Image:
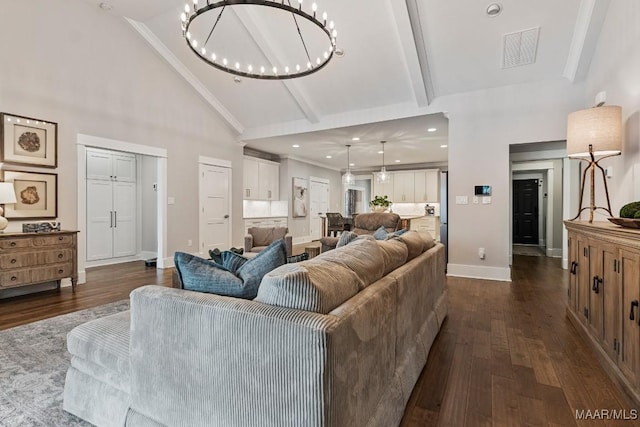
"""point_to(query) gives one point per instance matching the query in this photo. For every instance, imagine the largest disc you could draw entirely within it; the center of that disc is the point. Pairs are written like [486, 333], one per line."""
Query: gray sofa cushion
[415, 243]
[394, 253]
[104, 342]
[264, 236]
[346, 238]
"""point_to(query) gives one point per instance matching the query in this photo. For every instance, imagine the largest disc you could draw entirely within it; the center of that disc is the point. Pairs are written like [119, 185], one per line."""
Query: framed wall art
[299, 197]
[36, 195]
[28, 141]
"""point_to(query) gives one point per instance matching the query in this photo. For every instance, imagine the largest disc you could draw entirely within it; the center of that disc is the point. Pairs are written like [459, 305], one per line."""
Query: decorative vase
[378, 208]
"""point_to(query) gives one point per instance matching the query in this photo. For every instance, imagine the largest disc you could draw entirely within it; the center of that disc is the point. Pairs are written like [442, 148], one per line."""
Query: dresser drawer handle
[13, 261]
[13, 243]
[60, 271]
[14, 278]
[60, 255]
[60, 238]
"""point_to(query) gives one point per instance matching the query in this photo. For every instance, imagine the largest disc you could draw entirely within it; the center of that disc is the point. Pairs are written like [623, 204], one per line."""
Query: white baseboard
[479, 272]
[554, 252]
[565, 263]
[165, 262]
[147, 255]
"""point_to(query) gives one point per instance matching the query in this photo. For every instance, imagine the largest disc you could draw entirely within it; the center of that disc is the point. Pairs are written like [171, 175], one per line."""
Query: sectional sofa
[338, 340]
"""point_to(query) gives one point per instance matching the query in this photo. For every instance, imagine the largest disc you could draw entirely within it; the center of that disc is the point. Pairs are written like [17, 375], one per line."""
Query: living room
[100, 77]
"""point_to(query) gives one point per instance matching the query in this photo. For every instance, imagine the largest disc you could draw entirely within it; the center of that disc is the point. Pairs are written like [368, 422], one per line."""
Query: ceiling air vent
[520, 48]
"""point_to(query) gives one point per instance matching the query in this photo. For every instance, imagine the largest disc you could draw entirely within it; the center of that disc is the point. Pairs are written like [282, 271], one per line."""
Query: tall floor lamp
[592, 135]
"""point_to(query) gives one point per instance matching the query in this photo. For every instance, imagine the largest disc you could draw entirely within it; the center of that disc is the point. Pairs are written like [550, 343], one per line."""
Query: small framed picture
[36, 195]
[28, 141]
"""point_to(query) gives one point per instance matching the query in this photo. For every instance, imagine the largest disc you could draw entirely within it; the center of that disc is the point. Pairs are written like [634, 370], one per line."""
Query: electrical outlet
[481, 253]
[189, 242]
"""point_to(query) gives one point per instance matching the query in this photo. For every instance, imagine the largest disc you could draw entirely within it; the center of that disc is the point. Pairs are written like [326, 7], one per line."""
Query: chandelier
[348, 178]
[198, 33]
[382, 177]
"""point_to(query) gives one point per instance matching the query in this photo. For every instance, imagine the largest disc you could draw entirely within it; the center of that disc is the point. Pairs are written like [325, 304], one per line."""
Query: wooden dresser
[604, 296]
[30, 258]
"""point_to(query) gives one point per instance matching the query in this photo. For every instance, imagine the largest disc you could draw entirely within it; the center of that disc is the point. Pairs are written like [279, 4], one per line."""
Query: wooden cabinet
[261, 179]
[30, 258]
[430, 224]
[604, 294]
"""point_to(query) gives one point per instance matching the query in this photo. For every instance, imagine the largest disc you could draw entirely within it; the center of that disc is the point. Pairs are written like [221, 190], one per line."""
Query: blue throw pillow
[202, 275]
[380, 233]
[396, 233]
[346, 238]
[268, 259]
[232, 261]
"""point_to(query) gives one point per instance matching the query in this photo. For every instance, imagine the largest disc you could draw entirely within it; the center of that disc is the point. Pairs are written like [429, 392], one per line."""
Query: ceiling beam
[591, 15]
[182, 69]
[248, 18]
[407, 19]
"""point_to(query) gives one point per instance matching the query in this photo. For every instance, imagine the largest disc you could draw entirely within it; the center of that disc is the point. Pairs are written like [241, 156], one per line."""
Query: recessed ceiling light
[432, 130]
[329, 157]
[352, 164]
[296, 146]
[237, 79]
[444, 146]
[355, 138]
[494, 9]
[105, 6]
[380, 152]
[397, 161]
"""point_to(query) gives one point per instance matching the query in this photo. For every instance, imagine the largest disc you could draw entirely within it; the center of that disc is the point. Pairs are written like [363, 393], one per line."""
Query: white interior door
[215, 224]
[124, 219]
[99, 220]
[319, 205]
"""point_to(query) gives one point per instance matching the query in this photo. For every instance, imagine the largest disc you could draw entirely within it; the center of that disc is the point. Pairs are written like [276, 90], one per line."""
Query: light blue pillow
[201, 275]
[396, 233]
[380, 233]
[232, 261]
[346, 238]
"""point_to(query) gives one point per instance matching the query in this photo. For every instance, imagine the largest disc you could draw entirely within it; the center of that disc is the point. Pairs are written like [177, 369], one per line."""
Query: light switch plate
[171, 200]
[486, 200]
[462, 200]
[476, 200]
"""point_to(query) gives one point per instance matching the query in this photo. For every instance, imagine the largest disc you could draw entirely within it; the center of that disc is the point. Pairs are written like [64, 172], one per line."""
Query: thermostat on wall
[482, 190]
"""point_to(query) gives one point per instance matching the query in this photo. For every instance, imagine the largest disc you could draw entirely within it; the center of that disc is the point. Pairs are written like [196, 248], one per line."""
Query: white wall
[482, 125]
[289, 168]
[93, 74]
[615, 68]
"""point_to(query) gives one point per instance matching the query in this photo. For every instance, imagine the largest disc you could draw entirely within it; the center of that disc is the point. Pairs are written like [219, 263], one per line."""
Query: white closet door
[124, 167]
[214, 208]
[99, 165]
[124, 230]
[99, 220]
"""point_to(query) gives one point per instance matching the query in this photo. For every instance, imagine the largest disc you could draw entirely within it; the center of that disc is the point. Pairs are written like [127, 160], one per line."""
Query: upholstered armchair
[259, 238]
[366, 223]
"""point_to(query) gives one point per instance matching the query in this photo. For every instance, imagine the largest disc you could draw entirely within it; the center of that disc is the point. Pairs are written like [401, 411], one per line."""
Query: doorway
[319, 205]
[525, 211]
[215, 206]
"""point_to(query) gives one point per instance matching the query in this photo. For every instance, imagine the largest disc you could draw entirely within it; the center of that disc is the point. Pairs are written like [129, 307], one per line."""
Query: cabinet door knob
[14, 278]
[60, 255]
[597, 281]
[59, 237]
[634, 303]
[13, 261]
[60, 271]
[13, 243]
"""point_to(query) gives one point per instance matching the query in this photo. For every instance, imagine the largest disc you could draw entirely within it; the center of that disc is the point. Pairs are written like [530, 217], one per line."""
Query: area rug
[528, 250]
[33, 365]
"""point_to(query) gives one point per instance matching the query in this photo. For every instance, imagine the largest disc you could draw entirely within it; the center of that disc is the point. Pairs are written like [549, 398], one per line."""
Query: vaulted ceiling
[399, 57]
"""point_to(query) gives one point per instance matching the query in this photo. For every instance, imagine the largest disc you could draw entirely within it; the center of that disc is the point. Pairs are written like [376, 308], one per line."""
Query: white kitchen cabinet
[383, 189]
[427, 223]
[403, 187]
[427, 186]
[110, 165]
[261, 179]
[265, 222]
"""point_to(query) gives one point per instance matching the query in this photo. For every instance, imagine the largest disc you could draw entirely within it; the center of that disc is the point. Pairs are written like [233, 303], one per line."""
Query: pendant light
[382, 177]
[348, 178]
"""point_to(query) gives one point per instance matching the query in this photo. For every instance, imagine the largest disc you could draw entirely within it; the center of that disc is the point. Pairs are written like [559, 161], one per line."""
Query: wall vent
[520, 48]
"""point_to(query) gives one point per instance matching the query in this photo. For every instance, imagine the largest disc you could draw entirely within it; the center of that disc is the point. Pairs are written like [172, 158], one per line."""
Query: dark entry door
[525, 211]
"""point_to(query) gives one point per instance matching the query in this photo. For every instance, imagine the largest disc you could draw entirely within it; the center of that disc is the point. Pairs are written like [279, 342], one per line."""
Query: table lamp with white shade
[592, 135]
[7, 195]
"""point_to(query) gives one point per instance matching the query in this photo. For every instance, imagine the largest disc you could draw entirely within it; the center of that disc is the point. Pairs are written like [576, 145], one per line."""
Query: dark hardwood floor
[506, 355]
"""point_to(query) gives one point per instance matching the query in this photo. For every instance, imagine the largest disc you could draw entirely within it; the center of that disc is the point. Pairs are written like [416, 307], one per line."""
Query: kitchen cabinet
[385, 189]
[604, 294]
[403, 187]
[261, 179]
[430, 224]
[427, 186]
